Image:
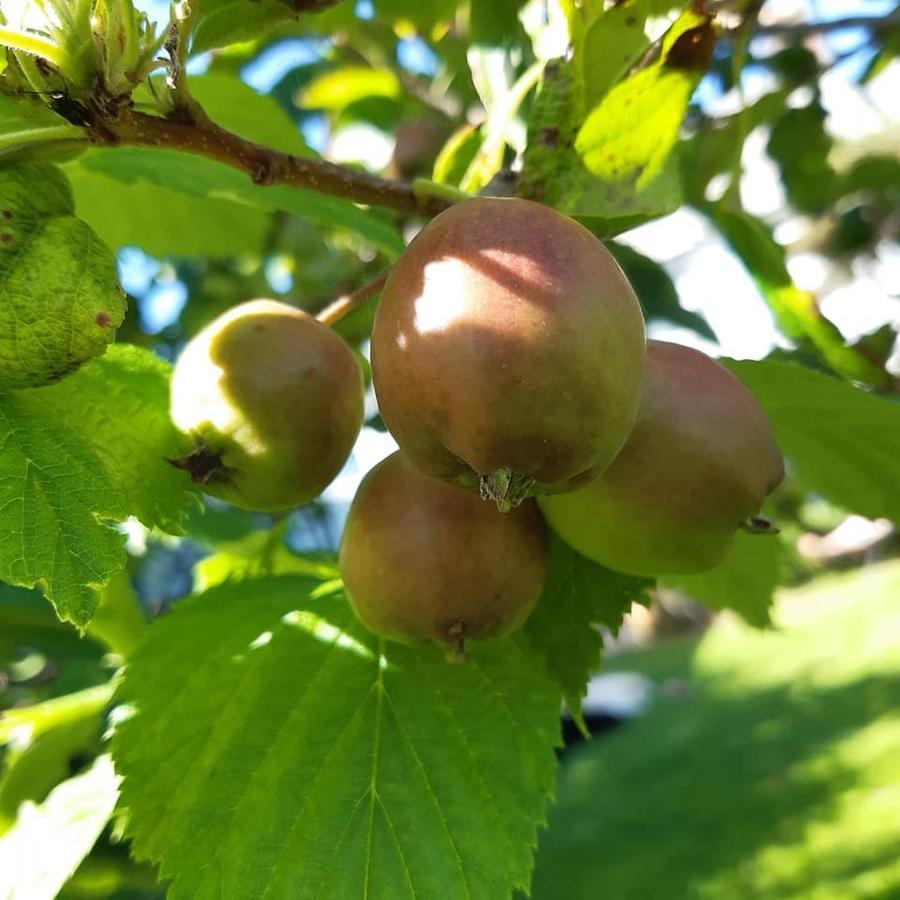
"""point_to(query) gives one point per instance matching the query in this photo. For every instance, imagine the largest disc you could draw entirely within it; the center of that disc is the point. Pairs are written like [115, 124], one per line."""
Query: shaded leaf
[800, 145]
[30, 132]
[744, 581]
[580, 595]
[795, 310]
[202, 178]
[656, 290]
[42, 742]
[840, 441]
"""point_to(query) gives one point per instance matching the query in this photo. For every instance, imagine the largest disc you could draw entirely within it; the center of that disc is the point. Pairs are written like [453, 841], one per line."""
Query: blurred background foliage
[754, 763]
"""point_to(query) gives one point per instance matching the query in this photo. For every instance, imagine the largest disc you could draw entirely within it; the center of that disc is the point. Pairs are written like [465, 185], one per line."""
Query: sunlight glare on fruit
[443, 296]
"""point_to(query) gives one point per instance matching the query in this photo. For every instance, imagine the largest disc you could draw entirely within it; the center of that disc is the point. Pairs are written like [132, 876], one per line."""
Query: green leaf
[27, 620]
[764, 768]
[656, 291]
[89, 450]
[43, 740]
[580, 596]
[164, 222]
[796, 311]
[337, 89]
[495, 23]
[609, 40]
[224, 22]
[615, 162]
[30, 132]
[713, 149]
[277, 748]
[801, 146]
[840, 441]
[456, 156]
[60, 300]
[48, 842]
[257, 117]
[424, 16]
[744, 581]
[256, 555]
[143, 212]
[202, 178]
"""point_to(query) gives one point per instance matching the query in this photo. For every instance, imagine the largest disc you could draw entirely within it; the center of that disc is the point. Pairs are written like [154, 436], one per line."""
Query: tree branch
[337, 309]
[263, 165]
[802, 29]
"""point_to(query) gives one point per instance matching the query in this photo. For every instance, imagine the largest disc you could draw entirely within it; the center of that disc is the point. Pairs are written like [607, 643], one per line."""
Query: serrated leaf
[796, 311]
[580, 595]
[744, 581]
[60, 300]
[278, 749]
[75, 455]
[202, 178]
[49, 841]
[840, 441]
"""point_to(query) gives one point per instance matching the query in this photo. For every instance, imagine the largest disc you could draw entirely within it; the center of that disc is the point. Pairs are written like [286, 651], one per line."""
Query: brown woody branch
[265, 166]
[802, 29]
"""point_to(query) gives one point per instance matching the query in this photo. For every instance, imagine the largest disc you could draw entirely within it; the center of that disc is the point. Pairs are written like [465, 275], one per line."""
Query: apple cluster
[511, 365]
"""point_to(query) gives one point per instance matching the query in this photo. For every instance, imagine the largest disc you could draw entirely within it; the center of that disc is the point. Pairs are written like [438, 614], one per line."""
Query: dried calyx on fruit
[272, 401]
[698, 465]
[508, 350]
[422, 558]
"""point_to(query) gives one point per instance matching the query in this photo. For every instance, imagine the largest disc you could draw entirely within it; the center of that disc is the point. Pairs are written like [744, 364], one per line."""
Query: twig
[264, 166]
[801, 29]
[337, 309]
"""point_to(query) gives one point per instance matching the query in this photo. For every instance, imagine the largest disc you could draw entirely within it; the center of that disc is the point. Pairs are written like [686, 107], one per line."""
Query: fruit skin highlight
[273, 401]
[508, 347]
[422, 558]
[700, 461]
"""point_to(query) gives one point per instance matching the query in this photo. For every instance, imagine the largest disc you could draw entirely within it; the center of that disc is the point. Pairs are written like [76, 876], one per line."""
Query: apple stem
[342, 306]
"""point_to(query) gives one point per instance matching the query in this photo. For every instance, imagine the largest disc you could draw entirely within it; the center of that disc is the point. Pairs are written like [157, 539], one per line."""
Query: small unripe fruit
[508, 348]
[699, 463]
[273, 400]
[422, 558]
